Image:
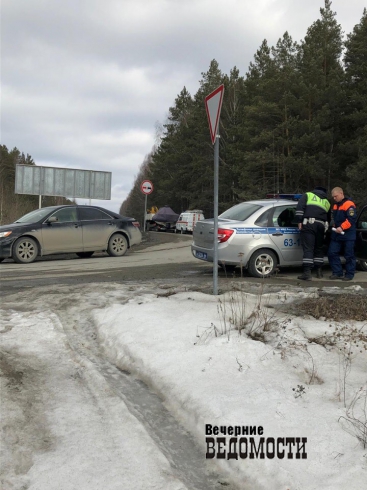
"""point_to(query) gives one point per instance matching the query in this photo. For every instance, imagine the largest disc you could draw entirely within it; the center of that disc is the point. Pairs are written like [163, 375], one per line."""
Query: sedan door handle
[277, 234]
[76, 225]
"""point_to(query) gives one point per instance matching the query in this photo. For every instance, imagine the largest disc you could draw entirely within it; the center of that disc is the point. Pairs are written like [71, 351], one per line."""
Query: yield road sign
[213, 105]
[146, 187]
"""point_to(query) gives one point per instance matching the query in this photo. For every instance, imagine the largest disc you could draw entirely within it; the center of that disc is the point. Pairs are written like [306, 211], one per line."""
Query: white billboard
[66, 182]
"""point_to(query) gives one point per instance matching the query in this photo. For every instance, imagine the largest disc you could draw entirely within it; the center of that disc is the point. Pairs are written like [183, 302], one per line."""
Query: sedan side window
[263, 220]
[362, 221]
[285, 216]
[90, 214]
[65, 215]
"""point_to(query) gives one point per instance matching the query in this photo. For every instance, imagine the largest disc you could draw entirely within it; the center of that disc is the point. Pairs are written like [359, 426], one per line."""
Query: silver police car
[259, 235]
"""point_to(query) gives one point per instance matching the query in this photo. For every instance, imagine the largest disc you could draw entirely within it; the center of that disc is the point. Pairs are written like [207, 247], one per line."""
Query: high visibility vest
[314, 200]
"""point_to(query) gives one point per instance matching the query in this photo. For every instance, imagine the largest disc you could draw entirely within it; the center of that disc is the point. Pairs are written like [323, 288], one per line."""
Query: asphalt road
[161, 256]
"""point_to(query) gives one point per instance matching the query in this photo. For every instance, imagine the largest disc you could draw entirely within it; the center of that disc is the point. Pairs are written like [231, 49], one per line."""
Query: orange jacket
[344, 214]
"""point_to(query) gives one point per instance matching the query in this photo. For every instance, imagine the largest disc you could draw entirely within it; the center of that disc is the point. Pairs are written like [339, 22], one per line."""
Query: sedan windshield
[34, 216]
[240, 212]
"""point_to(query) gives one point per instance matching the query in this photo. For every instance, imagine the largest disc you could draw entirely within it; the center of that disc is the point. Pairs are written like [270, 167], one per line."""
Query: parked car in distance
[68, 229]
[163, 220]
[187, 221]
[260, 236]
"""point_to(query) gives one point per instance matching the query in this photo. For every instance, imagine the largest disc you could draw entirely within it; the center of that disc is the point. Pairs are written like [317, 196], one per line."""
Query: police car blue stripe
[266, 231]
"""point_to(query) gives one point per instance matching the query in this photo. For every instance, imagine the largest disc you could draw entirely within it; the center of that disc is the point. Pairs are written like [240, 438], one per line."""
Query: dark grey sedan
[68, 229]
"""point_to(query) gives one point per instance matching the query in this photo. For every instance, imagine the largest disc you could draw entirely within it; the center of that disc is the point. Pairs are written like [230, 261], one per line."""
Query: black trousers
[312, 240]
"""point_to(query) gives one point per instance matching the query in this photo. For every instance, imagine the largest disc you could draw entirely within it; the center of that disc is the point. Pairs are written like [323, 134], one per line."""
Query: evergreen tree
[272, 88]
[353, 149]
[171, 160]
[357, 173]
[233, 143]
[321, 96]
[258, 125]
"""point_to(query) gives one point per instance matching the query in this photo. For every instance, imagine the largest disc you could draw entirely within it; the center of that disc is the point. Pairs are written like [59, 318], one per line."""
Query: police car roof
[264, 202]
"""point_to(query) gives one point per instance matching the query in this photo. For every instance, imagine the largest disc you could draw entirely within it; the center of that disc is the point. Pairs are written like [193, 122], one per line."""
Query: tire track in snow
[178, 446]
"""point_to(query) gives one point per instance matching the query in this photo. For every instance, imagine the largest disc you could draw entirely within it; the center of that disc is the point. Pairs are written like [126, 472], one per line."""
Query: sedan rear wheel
[25, 250]
[262, 263]
[117, 245]
[85, 255]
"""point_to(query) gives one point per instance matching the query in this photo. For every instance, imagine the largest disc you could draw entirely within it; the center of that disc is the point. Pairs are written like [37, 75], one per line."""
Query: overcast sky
[85, 83]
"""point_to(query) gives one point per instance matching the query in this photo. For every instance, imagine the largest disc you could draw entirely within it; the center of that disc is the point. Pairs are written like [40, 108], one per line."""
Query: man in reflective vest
[343, 235]
[313, 214]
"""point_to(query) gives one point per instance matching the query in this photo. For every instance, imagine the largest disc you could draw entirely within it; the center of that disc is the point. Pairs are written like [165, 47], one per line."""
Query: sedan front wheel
[117, 246]
[25, 250]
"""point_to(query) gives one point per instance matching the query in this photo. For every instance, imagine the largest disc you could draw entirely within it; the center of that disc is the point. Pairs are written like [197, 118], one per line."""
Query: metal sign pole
[146, 188]
[213, 105]
[216, 175]
[145, 211]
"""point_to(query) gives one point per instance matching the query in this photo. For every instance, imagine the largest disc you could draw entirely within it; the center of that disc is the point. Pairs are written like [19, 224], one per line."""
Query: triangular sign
[213, 105]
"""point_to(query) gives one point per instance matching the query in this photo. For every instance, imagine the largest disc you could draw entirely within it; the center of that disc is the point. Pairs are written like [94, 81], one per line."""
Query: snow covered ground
[227, 361]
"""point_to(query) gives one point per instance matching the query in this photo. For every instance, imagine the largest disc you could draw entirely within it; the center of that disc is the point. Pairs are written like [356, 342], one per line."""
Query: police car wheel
[262, 263]
[362, 265]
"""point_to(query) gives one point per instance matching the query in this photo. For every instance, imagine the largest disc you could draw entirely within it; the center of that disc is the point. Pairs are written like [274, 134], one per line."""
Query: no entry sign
[146, 187]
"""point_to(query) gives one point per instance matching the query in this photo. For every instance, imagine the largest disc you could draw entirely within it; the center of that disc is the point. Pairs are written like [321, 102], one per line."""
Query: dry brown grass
[337, 307]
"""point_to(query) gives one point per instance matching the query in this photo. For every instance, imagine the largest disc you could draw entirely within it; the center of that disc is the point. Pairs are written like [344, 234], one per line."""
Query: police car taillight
[136, 224]
[224, 235]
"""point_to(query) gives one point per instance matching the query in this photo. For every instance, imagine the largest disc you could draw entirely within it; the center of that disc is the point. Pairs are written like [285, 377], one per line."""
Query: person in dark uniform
[343, 236]
[313, 214]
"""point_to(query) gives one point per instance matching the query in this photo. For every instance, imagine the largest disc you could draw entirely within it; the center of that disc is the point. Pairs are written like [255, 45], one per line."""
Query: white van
[187, 220]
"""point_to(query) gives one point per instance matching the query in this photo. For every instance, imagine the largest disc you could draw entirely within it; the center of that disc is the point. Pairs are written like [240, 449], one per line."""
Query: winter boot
[319, 273]
[306, 276]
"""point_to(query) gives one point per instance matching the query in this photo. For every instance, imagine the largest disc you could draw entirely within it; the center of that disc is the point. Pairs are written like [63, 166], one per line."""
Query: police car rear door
[284, 233]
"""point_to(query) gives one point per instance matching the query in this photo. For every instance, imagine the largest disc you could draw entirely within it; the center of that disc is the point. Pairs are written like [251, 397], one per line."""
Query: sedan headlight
[3, 234]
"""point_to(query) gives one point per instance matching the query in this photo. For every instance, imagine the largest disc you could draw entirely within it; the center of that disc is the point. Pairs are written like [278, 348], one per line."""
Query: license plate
[201, 255]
